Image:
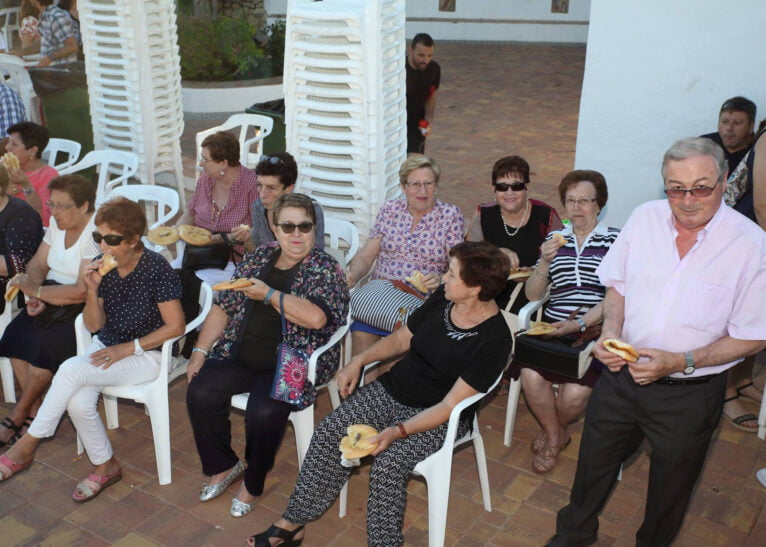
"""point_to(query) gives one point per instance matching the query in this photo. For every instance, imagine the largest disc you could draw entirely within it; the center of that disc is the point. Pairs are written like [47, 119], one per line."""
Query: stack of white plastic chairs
[134, 82]
[345, 98]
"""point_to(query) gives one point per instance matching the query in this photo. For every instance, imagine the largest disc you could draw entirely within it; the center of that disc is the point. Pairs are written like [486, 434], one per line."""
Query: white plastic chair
[436, 469]
[61, 146]
[514, 390]
[109, 162]
[17, 78]
[261, 125]
[168, 204]
[153, 394]
[6, 370]
[303, 420]
[344, 238]
[9, 24]
[761, 419]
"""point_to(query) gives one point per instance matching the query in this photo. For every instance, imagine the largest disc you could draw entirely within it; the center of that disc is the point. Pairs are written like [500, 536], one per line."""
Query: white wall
[488, 20]
[656, 71]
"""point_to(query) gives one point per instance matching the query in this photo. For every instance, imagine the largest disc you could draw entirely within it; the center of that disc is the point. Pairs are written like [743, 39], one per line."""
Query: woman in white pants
[134, 308]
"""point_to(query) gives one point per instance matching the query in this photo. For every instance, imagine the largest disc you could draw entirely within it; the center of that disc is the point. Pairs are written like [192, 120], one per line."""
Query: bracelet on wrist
[402, 431]
[204, 352]
[38, 291]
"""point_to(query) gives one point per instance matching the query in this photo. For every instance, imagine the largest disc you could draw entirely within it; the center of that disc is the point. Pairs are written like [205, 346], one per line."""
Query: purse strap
[282, 312]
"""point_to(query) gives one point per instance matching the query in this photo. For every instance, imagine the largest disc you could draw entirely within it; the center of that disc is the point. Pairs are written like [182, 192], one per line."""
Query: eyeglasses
[516, 186]
[289, 227]
[111, 239]
[428, 184]
[571, 202]
[205, 161]
[58, 206]
[698, 192]
[273, 160]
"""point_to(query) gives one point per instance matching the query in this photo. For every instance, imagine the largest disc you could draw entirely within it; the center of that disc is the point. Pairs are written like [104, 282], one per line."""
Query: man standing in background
[423, 77]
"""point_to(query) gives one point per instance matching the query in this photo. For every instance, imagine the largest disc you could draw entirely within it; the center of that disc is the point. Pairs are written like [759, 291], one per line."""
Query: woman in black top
[455, 345]
[513, 222]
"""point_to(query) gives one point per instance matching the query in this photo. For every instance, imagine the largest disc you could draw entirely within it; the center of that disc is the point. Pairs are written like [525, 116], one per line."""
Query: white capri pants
[76, 387]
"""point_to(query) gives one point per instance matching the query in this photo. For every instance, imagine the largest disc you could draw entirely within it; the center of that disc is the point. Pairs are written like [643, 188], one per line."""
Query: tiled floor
[495, 100]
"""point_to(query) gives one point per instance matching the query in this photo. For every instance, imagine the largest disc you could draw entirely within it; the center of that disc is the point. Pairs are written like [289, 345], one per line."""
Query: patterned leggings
[322, 476]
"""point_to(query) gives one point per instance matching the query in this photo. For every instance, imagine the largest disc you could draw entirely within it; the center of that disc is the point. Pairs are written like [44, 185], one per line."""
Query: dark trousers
[677, 420]
[208, 401]
[416, 142]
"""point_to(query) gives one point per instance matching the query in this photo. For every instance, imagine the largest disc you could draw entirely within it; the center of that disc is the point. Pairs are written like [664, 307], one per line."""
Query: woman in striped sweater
[570, 270]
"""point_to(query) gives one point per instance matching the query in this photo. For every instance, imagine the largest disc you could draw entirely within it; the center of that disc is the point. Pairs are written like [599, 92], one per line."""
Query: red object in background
[423, 125]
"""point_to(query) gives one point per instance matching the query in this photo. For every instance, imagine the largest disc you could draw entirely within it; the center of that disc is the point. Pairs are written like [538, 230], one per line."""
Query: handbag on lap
[292, 368]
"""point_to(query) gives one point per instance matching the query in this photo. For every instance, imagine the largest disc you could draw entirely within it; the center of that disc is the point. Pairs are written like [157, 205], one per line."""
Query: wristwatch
[139, 350]
[690, 368]
[27, 191]
[267, 298]
[582, 324]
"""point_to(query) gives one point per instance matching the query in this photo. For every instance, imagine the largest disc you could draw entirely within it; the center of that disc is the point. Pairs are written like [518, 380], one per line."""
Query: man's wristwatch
[139, 351]
[27, 191]
[582, 324]
[690, 367]
[267, 298]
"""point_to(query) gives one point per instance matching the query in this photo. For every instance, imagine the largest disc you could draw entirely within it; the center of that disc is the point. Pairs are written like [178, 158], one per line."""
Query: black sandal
[262, 539]
[7, 423]
[747, 385]
[23, 428]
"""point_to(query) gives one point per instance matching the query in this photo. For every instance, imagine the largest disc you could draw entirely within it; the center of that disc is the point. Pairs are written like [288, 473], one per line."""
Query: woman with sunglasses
[134, 309]
[514, 222]
[575, 304]
[277, 175]
[237, 347]
[41, 336]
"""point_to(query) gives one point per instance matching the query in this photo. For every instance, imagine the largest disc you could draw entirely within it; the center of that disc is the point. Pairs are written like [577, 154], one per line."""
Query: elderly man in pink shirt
[686, 282]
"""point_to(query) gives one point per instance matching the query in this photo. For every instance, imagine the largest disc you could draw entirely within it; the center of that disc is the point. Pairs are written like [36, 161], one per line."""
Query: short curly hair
[281, 165]
[483, 265]
[124, 216]
[223, 146]
[582, 175]
[80, 189]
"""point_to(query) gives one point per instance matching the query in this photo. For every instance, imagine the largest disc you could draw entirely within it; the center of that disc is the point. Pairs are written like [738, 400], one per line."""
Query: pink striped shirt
[237, 209]
[681, 304]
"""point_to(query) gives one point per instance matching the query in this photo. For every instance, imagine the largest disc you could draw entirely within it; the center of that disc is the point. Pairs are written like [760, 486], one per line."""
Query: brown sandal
[546, 460]
[540, 442]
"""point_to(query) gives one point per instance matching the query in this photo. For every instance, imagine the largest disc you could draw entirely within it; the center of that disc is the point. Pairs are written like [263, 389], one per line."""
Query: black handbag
[55, 313]
[199, 257]
[569, 357]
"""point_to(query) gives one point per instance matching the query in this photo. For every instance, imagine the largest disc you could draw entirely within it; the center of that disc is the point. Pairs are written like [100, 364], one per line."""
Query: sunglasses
[273, 160]
[289, 227]
[517, 186]
[111, 239]
[698, 192]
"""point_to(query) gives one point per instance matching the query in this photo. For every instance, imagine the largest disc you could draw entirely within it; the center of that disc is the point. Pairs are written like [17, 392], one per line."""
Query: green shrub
[217, 48]
[276, 46]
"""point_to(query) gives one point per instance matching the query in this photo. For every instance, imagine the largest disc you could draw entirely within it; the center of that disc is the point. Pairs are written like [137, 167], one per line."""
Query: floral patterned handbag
[292, 368]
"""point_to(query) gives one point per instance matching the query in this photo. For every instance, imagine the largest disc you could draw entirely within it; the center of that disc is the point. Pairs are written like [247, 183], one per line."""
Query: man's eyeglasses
[698, 192]
[571, 202]
[516, 186]
[111, 239]
[273, 160]
[428, 184]
[289, 227]
[58, 206]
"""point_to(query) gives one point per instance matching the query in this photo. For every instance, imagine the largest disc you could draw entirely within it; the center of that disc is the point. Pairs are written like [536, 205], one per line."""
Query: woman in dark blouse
[514, 222]
[134, 308]
[21, 231]
[455, 345]
[236, 349]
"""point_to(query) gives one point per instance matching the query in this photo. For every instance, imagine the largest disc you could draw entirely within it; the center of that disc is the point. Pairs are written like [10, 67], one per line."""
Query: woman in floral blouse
[236, 349]
[412, 232]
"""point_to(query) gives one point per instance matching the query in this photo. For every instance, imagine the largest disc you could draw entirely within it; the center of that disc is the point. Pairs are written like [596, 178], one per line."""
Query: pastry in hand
[11, 290]
[520, 274]
[163, 235]
[108, 263]
[194, 235]
[539, 328]
[623, 349]
[10, 161]
[232, 284]
[416, 280]
[357, 443]
[559, 239]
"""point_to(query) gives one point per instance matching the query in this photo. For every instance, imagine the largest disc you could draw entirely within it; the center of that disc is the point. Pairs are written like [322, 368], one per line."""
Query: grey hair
[696, 146]
[418, 161]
